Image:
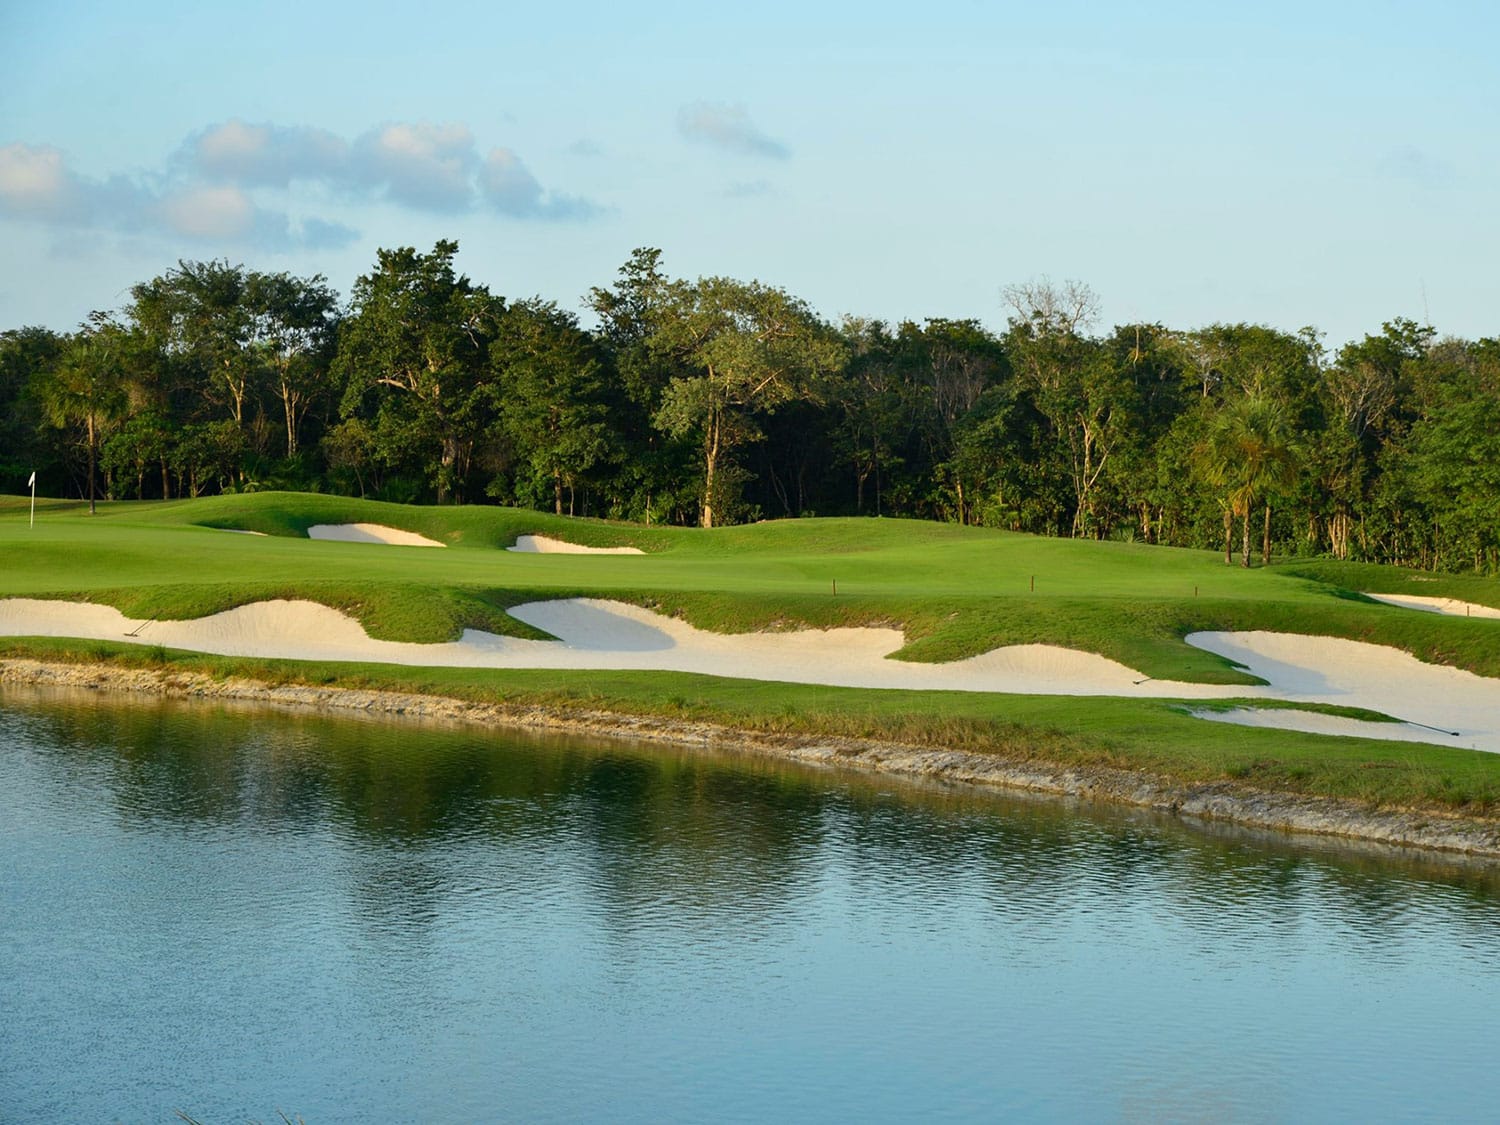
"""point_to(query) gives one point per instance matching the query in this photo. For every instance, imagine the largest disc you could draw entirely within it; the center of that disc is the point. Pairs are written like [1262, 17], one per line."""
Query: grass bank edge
[1153, 737]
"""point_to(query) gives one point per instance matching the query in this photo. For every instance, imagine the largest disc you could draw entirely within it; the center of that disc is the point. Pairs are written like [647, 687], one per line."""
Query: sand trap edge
[546, 545]
[370, 533]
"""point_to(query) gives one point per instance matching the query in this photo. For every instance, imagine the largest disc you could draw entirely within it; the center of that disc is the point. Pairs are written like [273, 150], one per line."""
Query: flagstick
[33, 499]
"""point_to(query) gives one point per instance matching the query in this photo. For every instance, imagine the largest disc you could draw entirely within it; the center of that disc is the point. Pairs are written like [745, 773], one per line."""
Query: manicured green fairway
[956, 591]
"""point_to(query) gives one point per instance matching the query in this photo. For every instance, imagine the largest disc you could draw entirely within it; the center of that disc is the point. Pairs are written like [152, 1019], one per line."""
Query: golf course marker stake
[1440, 730]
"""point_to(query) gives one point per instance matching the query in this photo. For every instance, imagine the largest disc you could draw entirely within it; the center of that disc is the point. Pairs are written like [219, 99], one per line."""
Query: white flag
[32, 482]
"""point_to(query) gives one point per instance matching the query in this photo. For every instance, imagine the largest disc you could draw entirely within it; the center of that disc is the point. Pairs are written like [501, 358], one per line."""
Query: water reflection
[635, 933]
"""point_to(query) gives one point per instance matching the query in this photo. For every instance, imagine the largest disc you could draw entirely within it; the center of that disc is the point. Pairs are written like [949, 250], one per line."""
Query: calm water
[235, 912]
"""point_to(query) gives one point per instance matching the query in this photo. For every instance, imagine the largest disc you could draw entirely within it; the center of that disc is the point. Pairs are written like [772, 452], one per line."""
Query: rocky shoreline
[1219, 801]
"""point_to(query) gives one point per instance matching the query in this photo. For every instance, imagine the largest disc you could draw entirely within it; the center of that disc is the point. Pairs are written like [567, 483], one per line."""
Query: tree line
[716, 401]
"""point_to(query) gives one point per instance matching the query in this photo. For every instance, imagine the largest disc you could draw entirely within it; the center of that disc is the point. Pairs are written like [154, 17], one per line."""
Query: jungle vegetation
[717, 401]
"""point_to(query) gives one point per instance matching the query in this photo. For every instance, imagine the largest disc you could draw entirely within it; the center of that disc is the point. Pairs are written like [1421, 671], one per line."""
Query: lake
[235, 911]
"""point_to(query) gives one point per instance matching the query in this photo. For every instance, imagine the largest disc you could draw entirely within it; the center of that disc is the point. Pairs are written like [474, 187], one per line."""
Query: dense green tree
[1147, 366]
[1074, 385]
[1453, 455]
[207, 455]
[717, 400]
[1366, 395]
[294, 323]
[140, 444]
[655, 474]
[869, 408]
[198, 316]
[552, 406]
[86, 390]
[350, 450]
[750, 349]
[27, 357]
[416, 342]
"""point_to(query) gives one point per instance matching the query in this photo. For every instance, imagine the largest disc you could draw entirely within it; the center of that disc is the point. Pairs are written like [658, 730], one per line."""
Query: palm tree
[1249, 452]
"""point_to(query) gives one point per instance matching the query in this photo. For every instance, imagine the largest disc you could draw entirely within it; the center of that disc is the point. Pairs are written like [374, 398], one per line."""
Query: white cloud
[224, 213]
[266, 155]
[421, 165]
[727, 127]
[426, 166]
[208, 190]
[37, 184]
[509, 187]
[35, 181]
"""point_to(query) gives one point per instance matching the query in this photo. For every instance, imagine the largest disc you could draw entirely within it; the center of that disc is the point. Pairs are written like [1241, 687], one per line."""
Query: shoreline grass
[1158, 737]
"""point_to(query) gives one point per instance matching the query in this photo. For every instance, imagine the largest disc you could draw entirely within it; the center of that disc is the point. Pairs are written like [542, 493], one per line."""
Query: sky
[1291, 164]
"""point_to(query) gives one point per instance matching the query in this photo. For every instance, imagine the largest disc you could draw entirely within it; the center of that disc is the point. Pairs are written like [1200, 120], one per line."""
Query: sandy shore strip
[370, 533]
[1448, 607]
[544, 545]
[1451, 707]
[1218, 803]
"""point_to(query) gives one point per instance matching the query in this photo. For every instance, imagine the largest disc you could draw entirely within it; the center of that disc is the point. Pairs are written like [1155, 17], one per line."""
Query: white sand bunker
[370, 533]
[595, 634]
[1448, 607]
[543, 545]
[1450, 706]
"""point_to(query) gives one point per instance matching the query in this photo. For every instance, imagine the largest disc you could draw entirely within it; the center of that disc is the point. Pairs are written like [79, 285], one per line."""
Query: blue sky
[1329, 164]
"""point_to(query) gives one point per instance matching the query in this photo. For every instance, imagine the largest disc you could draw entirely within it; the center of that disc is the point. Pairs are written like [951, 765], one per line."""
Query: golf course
[1075, 654]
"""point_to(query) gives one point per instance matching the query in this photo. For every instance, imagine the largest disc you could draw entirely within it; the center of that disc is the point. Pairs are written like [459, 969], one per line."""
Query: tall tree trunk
[1245, 539]
[710, 466]
[90, 423]
[447, 467]
[557, 492]
[289, 409]
[236, 394]
[1228, 536]
[1265, 542]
